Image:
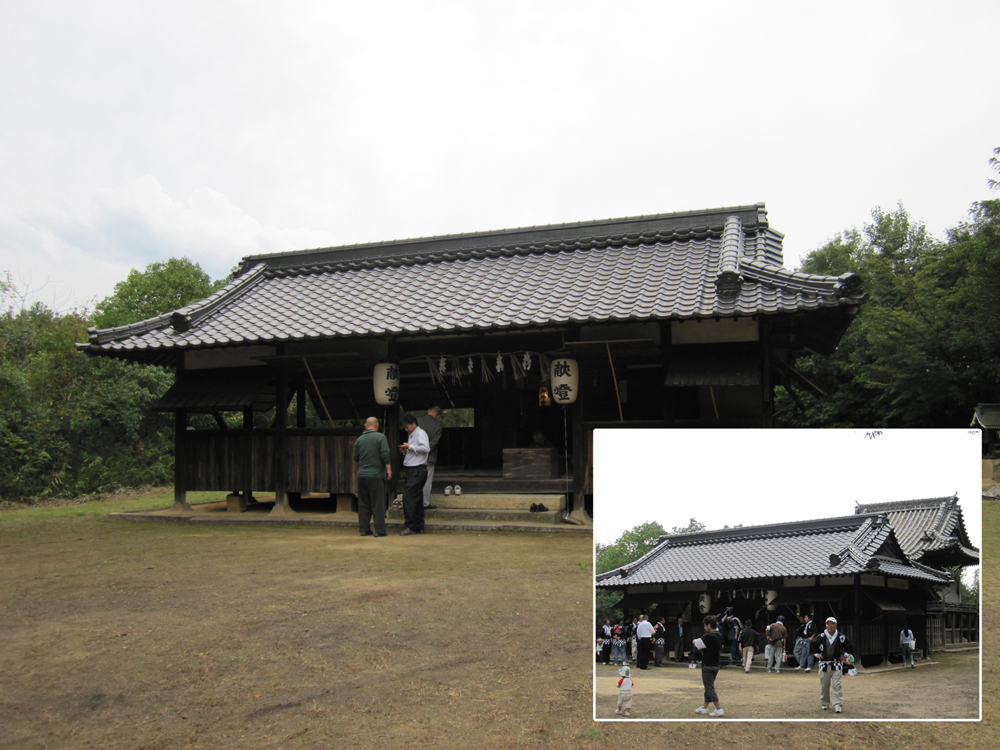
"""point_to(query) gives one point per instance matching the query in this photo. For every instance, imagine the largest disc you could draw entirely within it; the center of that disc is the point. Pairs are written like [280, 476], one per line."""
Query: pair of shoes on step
[456, 490]
[538, 508]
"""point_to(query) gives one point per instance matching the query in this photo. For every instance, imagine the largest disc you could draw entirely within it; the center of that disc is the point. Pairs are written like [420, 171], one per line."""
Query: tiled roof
[928, 527]
[987, 416]
[697, 265]
[825, 547]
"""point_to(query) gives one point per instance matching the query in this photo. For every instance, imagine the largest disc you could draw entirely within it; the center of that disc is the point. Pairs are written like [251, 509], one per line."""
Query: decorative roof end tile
[728, 282]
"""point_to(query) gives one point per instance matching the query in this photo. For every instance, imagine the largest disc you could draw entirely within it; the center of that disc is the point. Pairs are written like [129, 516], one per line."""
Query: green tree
[926, 347]
[693, 524]
[629, 547]
[69, 425]
[161, 288]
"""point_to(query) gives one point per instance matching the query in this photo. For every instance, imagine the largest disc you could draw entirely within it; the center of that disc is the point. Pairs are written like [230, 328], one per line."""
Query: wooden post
[248, 466]
[766, 385]
[580, 457]
[391, 428]
[300, 407]
[180, 462]
[281, 505]
[666, 346]
[857, 612]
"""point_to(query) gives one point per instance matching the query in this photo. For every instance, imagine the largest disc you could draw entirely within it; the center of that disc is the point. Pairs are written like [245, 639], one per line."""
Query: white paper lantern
[564, 374]
[386, 382]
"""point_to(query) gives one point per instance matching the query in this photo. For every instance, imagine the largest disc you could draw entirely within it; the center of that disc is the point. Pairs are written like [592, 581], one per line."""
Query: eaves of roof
[986, 416]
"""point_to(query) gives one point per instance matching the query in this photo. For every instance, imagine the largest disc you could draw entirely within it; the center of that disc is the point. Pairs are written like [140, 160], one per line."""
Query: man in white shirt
[645, 633]
[415, 451]
[431, 424]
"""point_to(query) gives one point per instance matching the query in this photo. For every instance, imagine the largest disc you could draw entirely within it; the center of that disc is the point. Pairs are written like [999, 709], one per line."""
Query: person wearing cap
[431, 424]
[833, 650]
[625, 685]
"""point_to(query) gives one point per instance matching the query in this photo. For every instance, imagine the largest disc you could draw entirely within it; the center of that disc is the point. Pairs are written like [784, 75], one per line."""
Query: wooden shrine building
[867, 570]
[932, 532]
[683, 319]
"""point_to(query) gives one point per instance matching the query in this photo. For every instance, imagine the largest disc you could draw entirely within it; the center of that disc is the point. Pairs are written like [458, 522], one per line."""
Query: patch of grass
[101, 505]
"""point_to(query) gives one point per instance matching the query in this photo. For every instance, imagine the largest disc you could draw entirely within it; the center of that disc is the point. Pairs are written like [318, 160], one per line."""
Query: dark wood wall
[318, 461]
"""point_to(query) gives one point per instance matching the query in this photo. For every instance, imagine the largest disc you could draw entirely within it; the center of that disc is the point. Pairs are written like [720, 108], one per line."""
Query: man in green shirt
[371, 451]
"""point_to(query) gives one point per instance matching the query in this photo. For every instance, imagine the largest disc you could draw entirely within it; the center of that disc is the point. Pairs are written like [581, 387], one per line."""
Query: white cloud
[92, 246]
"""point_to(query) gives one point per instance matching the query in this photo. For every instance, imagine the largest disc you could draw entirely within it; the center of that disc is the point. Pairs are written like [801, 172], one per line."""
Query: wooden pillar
[766, 385]
[300, 407]
[666, 346]
[390, 427]
[857, 610]
[248, 464]
[281, 505]
[580, 455]
[886, 642]
[180, 462]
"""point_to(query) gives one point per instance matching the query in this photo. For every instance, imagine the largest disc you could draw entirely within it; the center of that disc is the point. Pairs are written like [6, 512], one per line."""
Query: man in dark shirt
[678, 637]
[710, 666]
[748, 642]
[371, 451]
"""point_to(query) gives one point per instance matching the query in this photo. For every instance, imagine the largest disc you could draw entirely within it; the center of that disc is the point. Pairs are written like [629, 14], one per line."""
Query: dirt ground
[948, 688]
[166, 635]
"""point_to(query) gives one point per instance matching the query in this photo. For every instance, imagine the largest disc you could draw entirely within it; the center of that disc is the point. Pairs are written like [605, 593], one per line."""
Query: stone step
[485, 514]
[490, 485]
[474, 501]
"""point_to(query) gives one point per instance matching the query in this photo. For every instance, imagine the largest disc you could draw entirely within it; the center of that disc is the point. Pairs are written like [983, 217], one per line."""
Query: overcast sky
[732, 477]
[131, 132]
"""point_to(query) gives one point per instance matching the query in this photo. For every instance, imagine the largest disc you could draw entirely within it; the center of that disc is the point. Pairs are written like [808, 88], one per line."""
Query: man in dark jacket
[677, 636]
[833, 650]
[371, 451]
[748, 642]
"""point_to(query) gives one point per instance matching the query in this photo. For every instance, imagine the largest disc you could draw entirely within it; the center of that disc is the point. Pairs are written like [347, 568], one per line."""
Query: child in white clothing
[625, 691]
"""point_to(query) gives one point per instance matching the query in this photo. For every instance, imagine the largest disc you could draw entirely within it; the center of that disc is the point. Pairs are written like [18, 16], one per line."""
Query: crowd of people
[639, 641]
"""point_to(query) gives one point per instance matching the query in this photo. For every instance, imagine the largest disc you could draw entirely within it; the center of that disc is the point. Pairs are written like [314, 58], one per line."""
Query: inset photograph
[793, 575]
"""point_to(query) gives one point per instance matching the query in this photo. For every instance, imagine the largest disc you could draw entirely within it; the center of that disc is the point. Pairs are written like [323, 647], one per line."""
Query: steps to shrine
[492, 508]
[477, 501]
